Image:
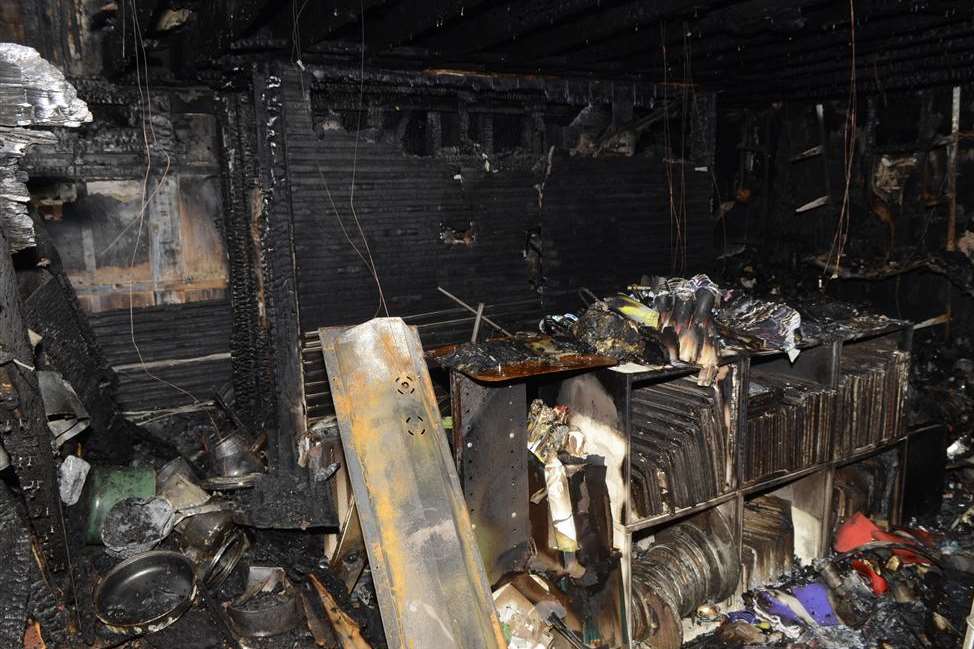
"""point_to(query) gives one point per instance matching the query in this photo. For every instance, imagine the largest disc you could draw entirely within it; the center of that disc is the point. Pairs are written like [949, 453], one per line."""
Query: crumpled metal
[66, 415]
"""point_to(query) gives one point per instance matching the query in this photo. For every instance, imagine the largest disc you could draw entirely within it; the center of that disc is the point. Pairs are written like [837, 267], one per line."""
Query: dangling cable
[358, 128]
[148, 133]
[842, 226]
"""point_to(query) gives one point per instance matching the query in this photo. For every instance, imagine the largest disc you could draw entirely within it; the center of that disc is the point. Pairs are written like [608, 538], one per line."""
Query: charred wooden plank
[15, 552]
[23, 426]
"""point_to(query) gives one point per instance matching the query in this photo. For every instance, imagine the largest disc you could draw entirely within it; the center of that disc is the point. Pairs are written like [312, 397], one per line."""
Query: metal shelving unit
[606, 396]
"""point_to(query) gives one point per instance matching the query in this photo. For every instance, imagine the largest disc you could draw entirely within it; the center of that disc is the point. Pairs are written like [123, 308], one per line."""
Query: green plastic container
[109, 484]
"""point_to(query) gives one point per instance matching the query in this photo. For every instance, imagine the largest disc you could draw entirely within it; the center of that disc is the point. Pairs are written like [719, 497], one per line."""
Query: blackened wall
[492, 207]
[403, 204]
[461, 218]
[606, 222]
[184, 352]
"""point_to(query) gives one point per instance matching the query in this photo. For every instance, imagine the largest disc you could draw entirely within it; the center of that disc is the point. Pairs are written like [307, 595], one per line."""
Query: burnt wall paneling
[187, 345]
[603, 223]
[403, 204]
[606, 222]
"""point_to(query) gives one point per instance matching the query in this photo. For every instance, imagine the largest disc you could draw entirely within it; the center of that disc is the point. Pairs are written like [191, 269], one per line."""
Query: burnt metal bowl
[146, 593]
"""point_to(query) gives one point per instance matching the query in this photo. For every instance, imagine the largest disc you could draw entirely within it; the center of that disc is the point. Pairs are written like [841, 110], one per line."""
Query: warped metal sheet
[428, 573]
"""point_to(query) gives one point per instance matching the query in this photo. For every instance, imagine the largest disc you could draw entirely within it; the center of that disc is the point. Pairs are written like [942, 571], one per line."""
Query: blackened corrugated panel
[606, 222]
[402, 203]
[176, 331]
[140, 391]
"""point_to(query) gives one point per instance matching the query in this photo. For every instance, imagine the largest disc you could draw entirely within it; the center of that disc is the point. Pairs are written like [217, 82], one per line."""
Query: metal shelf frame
[818, 361]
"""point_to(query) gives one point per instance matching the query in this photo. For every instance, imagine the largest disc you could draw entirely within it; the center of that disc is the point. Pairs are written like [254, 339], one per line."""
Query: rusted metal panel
[429, 577]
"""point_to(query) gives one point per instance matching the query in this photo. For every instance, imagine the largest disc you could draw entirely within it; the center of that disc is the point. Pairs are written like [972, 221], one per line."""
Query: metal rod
[473, 310]
[476, 322]
[952, 171]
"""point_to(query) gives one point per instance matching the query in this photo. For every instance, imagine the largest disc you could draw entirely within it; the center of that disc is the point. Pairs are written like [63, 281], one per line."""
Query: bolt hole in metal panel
[429, 576]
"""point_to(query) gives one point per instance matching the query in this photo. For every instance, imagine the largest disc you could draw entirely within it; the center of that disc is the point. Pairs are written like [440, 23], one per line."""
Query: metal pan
[146, 593]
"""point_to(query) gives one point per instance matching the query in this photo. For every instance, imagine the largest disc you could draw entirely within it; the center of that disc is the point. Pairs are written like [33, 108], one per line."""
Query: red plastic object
[859, 530]
[876, 581]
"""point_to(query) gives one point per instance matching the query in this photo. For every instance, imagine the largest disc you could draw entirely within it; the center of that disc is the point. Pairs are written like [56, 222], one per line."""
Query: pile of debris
[166, 549]
[903, 588]
[658, 322]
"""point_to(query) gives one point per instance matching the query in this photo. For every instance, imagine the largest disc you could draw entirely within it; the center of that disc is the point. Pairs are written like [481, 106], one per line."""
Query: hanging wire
[675, 232]
[148, 135]
[837, 248]
[351, 196]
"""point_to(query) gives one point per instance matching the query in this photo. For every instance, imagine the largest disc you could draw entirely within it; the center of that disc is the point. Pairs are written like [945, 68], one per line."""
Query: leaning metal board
[429, 577]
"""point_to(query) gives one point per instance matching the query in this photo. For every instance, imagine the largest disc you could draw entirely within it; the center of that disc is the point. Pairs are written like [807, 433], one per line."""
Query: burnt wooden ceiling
[749, 50]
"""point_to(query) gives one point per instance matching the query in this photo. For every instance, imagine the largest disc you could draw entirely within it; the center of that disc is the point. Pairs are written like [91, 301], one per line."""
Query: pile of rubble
[888, 589]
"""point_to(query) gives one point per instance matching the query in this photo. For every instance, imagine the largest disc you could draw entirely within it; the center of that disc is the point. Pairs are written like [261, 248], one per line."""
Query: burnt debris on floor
[544, 325]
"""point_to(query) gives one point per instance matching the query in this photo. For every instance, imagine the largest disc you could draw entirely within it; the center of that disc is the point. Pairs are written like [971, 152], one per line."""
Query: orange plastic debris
[33, 638]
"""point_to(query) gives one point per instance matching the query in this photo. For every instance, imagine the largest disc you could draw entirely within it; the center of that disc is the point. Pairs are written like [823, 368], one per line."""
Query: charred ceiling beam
[503, 22]
[713, 32]
[883, 78]
[577, 91]
[889, 56]
[314, 22]
[876, 35]
[722, 53]
[406, 20]
[420, 61]
[419, 102]
[600, 26]
[776, 62]
[214, 25]
[715, 47]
